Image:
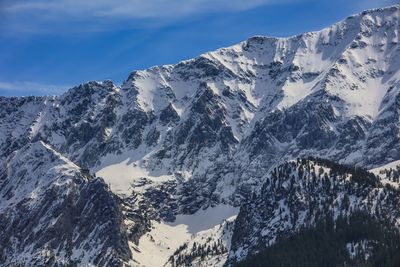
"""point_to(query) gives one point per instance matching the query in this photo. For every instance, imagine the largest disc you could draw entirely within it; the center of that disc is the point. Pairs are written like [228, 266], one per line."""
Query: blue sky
[48, 46]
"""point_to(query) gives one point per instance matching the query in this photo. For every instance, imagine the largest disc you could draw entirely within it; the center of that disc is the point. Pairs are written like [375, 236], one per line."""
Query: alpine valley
[271, 152]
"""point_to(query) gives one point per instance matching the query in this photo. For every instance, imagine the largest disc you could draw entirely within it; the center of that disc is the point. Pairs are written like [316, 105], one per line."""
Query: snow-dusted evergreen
[180, 145]
[299, 194]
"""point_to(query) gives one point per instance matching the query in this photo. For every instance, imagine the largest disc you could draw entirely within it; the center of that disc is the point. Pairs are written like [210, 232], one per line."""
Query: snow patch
[156, 246]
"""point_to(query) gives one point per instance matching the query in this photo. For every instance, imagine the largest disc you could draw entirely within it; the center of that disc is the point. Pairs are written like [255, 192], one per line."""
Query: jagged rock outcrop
[54, 214]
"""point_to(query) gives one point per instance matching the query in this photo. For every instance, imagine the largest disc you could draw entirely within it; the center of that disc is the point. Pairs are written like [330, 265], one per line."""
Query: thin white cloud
[30, 88]
[131, 8]
[46, 16]
[58, 16]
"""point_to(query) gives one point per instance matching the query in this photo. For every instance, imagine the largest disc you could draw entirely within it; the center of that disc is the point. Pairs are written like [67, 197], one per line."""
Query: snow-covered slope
[204, 227]
[176, 139]
[53, 213]
[389, 173]
[207, 248]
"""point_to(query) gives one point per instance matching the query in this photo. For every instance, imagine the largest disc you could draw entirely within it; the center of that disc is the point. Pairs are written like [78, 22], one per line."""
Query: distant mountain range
[252, 155]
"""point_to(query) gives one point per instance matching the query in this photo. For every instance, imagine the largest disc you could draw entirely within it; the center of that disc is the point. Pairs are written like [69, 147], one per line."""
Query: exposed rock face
[51, 214]
[174, 139]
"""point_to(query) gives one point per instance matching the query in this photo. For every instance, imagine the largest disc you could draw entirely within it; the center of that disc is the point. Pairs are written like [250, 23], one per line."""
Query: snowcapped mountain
[180, 148]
